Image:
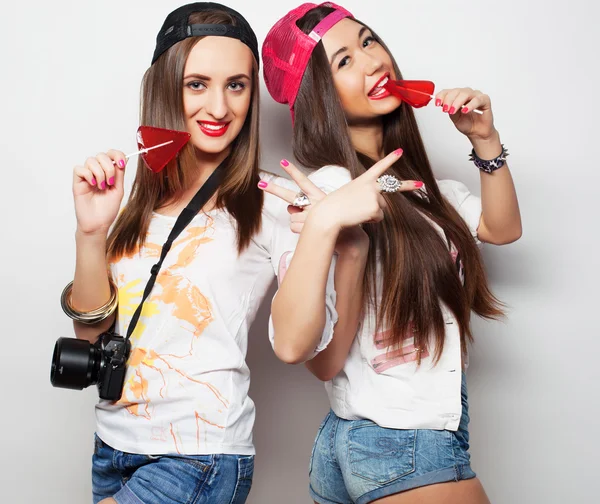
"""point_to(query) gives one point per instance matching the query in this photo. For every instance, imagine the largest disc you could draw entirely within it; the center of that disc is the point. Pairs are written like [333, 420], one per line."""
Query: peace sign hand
[355, 203]
[308, 188]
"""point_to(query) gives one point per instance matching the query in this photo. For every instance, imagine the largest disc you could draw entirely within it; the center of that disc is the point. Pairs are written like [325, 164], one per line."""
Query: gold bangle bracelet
[93, 316]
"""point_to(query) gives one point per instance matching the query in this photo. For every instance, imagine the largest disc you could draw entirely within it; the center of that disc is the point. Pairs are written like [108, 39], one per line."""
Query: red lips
[378, 91]
[213, 129]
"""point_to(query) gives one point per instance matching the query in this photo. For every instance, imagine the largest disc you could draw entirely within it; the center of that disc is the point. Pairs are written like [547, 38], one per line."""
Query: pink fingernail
[94, 181]
[452, 110]
[262, 184]
[465, 110]
[398, 152]
[103, 185]
[418, 184]
[111, 181]
[121, 163]
[285, 162]
[445, 108]
[438, 102]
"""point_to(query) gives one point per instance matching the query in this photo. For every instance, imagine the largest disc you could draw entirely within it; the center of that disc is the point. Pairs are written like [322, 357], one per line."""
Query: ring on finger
[301, 200]
[389, 183]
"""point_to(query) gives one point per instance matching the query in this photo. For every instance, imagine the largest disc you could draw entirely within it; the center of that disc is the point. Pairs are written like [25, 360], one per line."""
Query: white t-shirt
[386, 386]
[186, 387]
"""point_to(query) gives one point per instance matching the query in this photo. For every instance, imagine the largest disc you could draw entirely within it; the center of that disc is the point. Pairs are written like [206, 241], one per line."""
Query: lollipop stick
[143, 151]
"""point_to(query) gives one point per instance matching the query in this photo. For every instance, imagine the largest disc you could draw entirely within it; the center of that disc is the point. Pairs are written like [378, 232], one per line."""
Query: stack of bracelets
[93, 316]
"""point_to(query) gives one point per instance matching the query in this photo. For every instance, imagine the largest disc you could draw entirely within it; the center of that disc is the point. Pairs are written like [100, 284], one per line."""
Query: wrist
[487, 147]
[323, 221]
[99, 236]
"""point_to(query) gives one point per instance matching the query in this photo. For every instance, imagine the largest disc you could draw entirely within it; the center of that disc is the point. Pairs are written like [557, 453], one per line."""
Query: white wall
[70, 75]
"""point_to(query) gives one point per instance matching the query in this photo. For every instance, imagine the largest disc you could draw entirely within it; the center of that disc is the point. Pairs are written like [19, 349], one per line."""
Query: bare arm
[299, 309]
[90, 286]
[349, 275]
[500, 219]
[97, 193]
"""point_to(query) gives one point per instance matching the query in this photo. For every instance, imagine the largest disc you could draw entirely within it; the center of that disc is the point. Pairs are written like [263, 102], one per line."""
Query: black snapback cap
[176, 28]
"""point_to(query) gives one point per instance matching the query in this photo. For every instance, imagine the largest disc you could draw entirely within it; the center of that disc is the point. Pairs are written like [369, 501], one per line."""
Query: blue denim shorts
[357, 461]
[169, 479]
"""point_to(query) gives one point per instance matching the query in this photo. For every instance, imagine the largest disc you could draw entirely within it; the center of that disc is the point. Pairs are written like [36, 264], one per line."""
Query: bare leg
[454, 492]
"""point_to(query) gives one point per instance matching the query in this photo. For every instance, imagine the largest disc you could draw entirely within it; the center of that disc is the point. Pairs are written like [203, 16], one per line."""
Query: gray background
[70, 81]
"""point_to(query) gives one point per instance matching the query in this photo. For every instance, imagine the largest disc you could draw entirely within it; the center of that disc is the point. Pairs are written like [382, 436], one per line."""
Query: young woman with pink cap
[397, 431]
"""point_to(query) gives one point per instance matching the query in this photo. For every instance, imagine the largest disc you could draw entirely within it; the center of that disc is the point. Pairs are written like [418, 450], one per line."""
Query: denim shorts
[357, 461]
[168, 479]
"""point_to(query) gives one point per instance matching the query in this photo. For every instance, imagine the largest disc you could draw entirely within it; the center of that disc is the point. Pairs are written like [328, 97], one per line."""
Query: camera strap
[185, 217]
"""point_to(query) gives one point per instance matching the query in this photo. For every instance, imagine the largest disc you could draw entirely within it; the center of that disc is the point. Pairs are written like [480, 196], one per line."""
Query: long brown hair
[417, 270]
[162, 106]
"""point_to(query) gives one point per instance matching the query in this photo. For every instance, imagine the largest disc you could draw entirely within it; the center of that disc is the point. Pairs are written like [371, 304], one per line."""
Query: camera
[77, 364]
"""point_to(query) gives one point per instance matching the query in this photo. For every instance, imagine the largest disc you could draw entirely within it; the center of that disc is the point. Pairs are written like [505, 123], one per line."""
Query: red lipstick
[379, 91]
[213, 129]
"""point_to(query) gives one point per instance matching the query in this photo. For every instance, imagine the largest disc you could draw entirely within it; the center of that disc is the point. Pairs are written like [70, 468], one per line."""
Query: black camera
[77, 364]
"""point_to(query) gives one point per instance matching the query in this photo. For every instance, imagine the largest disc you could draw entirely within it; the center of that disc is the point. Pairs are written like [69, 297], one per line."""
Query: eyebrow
[206, 78]
[344, 49]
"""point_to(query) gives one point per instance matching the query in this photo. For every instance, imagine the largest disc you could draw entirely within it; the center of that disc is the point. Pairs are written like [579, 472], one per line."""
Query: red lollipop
[417, 93]
[149, 139]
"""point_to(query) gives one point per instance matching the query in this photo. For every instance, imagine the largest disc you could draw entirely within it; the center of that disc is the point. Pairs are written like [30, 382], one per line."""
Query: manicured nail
[452, 110]
[445, 109]
[94, 181]
[418, 184]
[103, 185]
[438, 102]
[465, 110]
[398, 152]
[262, 184]
[121, 163]
[285, 162]
[111, 181]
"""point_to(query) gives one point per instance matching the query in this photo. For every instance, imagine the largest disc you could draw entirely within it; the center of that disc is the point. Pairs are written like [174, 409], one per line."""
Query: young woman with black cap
[397, 432]
[182, 428]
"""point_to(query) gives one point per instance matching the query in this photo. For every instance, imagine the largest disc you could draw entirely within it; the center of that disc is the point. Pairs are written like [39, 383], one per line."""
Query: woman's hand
[351, 240]
[98, 191]
[355, 203]
[459, 103]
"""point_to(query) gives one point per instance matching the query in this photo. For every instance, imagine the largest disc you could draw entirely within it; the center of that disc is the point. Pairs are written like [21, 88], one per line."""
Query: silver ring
[389, 183]
[301, 200]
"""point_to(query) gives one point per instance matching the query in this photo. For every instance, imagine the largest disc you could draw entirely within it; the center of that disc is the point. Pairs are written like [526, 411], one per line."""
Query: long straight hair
[162, 106]
[407, 252]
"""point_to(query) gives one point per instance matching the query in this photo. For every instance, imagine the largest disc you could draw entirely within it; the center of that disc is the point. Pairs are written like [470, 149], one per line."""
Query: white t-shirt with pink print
[385, 385]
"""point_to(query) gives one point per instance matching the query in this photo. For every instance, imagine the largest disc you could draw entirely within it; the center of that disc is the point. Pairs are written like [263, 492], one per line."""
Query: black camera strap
[185, 217]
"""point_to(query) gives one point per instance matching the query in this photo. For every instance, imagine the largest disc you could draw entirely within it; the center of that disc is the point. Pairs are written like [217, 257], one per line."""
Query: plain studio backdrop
[71, 74]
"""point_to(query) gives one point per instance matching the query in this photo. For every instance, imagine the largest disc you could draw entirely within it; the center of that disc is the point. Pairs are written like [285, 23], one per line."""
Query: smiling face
[217, 91]
[360, 66]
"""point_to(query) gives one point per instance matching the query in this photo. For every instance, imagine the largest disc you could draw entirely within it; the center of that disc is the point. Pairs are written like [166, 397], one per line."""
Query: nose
[371, 64]
[217, 105]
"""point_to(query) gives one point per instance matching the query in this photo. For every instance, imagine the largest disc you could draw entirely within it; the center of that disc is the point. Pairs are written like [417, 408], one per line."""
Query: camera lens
[75, 364]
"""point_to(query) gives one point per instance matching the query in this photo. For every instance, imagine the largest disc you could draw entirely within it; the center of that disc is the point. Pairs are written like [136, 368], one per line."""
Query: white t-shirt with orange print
[186, 387]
